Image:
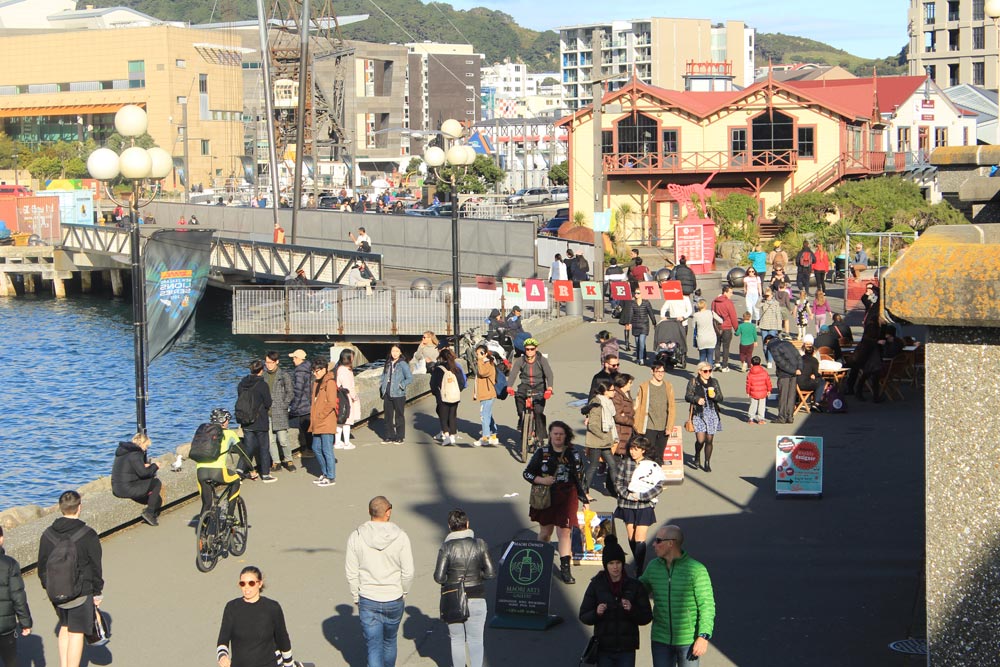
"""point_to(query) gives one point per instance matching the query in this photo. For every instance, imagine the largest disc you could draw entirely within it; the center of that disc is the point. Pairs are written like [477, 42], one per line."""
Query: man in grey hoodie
[379, 568]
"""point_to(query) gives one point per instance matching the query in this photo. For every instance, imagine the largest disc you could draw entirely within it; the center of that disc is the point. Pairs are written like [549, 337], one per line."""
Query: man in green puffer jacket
[683, 602]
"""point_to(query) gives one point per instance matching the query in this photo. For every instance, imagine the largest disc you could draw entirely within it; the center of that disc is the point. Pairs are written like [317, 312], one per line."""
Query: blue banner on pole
[177, 263]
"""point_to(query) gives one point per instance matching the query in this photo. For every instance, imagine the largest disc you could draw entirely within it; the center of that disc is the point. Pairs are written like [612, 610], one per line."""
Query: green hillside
[491, 32]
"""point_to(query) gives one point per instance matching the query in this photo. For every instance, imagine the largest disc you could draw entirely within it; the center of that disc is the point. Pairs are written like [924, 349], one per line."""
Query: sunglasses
[705, 372]
[613, 365]
[251, 584]
[660, 540]
[529, 349]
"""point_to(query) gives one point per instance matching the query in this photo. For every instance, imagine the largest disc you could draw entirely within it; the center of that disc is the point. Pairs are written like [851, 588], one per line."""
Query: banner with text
[798, 465]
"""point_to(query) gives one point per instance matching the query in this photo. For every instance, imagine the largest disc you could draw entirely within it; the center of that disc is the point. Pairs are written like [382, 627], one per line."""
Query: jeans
[706, 355]
[667, 655]
[764, 333]
[594, 456]
[758, 409]
[256, 446]
[616, 659]
[469, 634]
[279, 449]
[323, 448]
[640, 348]
[380, 624]
[486, 417]
[395, 427]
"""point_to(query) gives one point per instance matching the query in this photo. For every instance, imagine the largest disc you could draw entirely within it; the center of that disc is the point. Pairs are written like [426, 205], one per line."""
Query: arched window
[637, 135]
[772, 139]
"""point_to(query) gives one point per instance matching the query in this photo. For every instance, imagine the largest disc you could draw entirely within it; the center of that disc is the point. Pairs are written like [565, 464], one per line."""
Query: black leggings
[8, 649]
[395, 426]
[448, 415]
[706, 441]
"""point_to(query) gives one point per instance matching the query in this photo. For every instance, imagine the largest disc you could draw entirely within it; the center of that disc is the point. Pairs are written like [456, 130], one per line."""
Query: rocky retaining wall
[23, 526]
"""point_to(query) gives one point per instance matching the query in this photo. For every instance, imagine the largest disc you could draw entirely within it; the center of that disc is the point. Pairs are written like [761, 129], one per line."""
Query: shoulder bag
[454, 602]
[589, 656]
[541, 497]
[689, 424]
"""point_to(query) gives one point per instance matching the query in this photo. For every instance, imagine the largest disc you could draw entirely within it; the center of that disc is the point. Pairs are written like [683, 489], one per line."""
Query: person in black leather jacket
[683, 273]
[466, 558]
[14, 610]
[616, 605]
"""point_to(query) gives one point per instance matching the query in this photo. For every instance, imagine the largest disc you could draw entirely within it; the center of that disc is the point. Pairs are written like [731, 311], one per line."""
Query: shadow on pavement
[343, 631]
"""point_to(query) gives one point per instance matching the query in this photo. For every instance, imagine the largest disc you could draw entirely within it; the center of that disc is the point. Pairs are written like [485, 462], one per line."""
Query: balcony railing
[701, 161]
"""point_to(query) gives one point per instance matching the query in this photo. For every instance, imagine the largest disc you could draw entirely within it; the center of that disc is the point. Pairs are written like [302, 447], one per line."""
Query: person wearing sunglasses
[253, 628]
[704, 394]
[607, 374]
[683, 601]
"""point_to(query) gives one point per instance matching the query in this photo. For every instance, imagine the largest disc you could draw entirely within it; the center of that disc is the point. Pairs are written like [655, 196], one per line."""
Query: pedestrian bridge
[242, 259]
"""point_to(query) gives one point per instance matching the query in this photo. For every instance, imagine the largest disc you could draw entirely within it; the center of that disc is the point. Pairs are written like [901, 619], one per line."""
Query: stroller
[670, 344]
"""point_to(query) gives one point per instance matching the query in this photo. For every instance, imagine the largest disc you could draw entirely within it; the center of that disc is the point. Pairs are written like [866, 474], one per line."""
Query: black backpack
[365, 247]
[206, 445]
[61, 569]
[247, 407]
[343, 405]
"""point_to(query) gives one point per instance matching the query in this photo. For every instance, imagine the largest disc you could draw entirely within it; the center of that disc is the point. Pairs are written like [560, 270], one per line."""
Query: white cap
[300, 354]
[808, 339]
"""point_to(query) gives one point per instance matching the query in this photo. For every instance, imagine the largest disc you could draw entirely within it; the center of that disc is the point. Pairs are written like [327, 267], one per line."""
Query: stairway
[769, 229]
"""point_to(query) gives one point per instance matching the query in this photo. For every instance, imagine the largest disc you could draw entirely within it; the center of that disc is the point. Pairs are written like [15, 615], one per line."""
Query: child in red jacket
[758, 387]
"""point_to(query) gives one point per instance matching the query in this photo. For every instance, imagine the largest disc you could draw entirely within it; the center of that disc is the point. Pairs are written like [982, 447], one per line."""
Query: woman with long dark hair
[253, 631]
[560, 466]
[447, 383]
[343, 373]
[396, 377]
[639, 482]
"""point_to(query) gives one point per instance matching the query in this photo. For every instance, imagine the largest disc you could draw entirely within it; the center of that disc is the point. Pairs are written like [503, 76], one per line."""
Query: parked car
[560, 193]
[530, 196]
[551, 227]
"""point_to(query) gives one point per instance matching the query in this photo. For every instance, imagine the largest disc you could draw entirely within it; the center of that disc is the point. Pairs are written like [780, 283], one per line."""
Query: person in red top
[638, 272]
[758, 388]
[821, 266]
[723, 306]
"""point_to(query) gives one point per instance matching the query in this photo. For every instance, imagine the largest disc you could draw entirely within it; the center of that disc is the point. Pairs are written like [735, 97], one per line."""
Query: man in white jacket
[379, 568]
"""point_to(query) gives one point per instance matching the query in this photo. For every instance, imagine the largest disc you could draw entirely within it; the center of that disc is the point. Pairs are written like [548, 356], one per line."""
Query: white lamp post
[458, 156]
[992, 9]
[137, 165]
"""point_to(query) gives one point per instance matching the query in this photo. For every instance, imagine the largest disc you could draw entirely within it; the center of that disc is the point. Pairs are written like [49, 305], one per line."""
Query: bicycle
[529, 428]
[222, 527]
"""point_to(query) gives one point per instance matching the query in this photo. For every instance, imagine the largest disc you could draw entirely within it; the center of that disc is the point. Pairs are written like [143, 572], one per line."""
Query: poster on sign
[590, 290]
[620, 291]
[798, 466]
[534, 290]
[512, 291]
[562, 290]
[587, 539]
[649, 290]
[689, 242]
[673, 457]
[672, 290]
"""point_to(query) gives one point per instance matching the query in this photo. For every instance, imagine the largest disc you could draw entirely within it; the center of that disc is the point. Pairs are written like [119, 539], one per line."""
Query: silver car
[528, 196]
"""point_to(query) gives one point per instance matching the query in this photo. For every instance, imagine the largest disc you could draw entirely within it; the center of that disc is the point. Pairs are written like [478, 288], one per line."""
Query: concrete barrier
[23, 526]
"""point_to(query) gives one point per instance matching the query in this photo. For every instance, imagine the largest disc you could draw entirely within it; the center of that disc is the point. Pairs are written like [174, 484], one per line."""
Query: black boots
[708, 457]
[697, 454]
[564, 566]
[639, 553]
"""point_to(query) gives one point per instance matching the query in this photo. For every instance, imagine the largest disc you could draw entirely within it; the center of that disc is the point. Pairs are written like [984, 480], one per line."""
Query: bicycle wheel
[526, 424]
[239, 528]
[208, 540]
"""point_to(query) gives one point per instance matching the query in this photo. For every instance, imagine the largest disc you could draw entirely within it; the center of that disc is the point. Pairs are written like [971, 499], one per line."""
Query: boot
[697, 455]
[708, 458]
[564, 568]
[639, 552]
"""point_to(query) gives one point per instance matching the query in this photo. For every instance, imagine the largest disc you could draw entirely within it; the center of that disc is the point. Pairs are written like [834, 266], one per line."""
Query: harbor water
[69, 387]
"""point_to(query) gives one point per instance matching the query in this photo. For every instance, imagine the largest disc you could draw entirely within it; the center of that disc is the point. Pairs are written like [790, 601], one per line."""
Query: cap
[777, 243]
[298, 354]
[515, 309]
[808, 339]
[612, 551]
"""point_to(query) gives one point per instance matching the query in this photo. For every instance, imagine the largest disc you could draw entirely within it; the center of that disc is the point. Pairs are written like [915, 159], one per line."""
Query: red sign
[927, 116]
[673, 457]
[534, 290]
[927, 104]
[672, 290]
[486, 283]
[621, 291]
[689, 243]
[649, 290]
[562, 290]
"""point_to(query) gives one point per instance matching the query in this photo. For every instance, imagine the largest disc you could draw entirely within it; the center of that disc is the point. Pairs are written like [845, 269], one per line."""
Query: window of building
[979, 38]
[206, 147]
[965, 136]
[929, 13]
[953, 40]
[952, 10]
[771, 138]
[607, 142]
[978, 74]
[670, 142]
[978, 10]
[940, 137]
[136, 74]
[932, 72]
[738, 141]
[807, 142]
[637, 135]
[180, 63]
[203, 84]
[930, 41]
[953, 74]
[903, 140]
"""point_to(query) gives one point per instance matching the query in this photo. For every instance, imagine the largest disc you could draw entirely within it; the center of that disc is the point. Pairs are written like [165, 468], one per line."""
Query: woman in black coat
[640, 317]
[616, 605]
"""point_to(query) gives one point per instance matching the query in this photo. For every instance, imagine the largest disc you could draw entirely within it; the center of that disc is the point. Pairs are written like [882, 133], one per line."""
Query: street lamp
[992, 9]
[460, 157]
[137, 165]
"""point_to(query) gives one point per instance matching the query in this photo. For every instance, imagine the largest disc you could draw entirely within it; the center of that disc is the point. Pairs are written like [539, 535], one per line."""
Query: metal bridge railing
[289, 311]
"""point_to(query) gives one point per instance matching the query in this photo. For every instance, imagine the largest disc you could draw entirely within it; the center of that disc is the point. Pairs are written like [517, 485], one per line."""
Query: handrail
[701, 161]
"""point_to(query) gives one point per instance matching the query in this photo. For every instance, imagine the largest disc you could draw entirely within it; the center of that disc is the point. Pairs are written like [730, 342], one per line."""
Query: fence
[384, 313]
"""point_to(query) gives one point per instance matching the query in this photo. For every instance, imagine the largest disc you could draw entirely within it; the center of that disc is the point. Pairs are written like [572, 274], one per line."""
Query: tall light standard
[460, 157]
[992, 9]
[137, 165]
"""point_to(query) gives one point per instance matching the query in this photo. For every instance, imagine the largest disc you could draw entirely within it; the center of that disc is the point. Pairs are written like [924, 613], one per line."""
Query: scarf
[607, 413]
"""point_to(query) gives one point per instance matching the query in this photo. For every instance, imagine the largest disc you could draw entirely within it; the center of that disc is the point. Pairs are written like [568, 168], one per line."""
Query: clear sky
[867, 28]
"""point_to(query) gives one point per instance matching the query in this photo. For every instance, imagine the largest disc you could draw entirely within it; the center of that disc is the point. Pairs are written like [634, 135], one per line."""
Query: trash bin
[574, 308]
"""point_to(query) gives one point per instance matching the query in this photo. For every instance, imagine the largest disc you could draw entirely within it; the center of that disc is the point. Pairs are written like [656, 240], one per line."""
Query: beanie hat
[612, 551]
[808, 339]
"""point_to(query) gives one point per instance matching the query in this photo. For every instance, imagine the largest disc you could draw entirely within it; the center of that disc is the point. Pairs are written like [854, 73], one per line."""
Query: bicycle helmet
[220, 416]
[531, 342]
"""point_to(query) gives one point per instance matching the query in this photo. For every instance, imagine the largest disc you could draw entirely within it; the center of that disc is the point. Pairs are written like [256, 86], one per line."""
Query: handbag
[589, 656]
[689, 424]
[454, 602]
[541, 497]
[101, 634]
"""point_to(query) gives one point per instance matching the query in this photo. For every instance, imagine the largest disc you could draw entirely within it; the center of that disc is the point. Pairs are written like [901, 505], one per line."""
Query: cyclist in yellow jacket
[228, 468]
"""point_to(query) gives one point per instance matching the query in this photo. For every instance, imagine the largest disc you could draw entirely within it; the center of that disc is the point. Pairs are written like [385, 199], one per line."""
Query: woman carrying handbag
[704, 394]
[463, 563]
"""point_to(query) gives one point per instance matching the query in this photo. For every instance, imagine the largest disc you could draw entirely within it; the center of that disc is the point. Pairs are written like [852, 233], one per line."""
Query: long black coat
[257, 384]
[129, 474]
[617, 630]
[13, 600]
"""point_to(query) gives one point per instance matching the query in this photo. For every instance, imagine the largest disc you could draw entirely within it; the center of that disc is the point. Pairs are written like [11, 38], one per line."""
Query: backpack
[807, 259]
[832, 401]
[343, 405]
[206, 445]
[365, 246]
[450, 391]
[501, 385]
[61, 568]
[247, 407]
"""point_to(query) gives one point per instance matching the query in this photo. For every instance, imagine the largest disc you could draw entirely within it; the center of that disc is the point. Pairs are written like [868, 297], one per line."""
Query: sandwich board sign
[798, 466]
[523, 587]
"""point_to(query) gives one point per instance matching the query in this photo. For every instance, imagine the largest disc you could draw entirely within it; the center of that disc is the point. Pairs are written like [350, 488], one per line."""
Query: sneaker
[751, 421]
[349, 445]
[320, 479]
[149, 518]
[717, 367]
[439, 437]
[267, 479]
[397, 442]
[743, 367]
[446, 441]
[327, 482]
[289, 466]
[725, 369]
[762, 421]
[770, 365]
[494, 440]
[388, 442]
[481, 442]
[275, 467]
[338, 445]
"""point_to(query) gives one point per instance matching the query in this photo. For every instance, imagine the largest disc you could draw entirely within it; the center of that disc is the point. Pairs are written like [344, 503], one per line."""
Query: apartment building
[953, 41]
[657, 51]
[443, 82]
